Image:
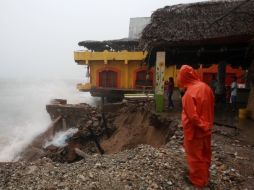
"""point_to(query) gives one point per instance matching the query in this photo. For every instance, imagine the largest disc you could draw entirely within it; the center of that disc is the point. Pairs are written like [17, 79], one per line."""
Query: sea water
[23, 113]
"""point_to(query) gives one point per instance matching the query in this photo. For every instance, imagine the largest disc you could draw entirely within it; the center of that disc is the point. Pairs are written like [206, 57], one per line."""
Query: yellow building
[116, 67]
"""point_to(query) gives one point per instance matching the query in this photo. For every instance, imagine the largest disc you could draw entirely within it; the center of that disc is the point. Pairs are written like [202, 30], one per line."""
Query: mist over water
[23, 112]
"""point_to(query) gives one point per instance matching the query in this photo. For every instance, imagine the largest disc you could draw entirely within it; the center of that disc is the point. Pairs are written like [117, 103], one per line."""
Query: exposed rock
[136, 166]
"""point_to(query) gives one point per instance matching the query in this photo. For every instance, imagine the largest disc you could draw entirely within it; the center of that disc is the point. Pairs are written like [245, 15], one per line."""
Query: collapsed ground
[123, 162]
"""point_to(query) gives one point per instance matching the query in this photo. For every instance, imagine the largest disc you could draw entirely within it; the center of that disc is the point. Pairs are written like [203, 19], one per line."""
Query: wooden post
[159, 81]
[251, 95]
[251, 102]
[221, 77]
[104, 121]
[54, 125]
[64, 124]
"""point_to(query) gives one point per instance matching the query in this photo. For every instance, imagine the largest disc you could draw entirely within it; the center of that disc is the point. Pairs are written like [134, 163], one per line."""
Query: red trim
[138, 70]
[108, 68]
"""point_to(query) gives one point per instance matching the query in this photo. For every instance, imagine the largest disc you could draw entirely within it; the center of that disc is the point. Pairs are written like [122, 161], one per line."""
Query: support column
[250, 105]
[159, 81]
[221, 77]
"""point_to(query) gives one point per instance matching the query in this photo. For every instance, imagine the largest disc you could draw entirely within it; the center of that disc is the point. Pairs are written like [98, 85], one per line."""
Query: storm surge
[23, 114]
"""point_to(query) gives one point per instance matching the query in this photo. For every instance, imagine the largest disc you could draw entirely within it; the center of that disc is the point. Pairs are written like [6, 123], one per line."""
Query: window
[141, 79]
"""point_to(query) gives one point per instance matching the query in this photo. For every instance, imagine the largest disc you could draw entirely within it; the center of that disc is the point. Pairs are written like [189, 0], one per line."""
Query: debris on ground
[138, 149]
[143, 167]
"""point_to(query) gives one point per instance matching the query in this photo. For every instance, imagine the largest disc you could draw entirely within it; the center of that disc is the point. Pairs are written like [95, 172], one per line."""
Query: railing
[83, 57]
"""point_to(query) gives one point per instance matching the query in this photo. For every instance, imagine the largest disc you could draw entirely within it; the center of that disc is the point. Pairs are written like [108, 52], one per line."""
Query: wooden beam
[80, 153]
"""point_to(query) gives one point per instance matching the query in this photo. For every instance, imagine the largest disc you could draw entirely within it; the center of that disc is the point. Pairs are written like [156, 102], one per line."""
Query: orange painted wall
[206, 74]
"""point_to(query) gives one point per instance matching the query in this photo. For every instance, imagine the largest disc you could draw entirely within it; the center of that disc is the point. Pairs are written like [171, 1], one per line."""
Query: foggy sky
[38, 37]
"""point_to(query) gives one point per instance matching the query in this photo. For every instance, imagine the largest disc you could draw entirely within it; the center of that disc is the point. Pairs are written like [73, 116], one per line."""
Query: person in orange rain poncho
[197, 121]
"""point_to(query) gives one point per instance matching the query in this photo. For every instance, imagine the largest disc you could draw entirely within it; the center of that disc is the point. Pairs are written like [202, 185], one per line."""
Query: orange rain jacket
[197, 120]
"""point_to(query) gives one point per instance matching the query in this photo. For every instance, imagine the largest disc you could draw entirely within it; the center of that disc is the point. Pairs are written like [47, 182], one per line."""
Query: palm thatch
[111, 45]
[199, 22]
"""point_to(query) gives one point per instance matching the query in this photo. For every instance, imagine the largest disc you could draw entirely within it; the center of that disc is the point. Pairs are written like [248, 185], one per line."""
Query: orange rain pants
[197, 120]
[198, 155]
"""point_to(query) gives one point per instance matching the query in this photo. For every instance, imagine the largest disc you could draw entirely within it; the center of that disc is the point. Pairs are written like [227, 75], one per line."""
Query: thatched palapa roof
[111, 45]
[200, 22]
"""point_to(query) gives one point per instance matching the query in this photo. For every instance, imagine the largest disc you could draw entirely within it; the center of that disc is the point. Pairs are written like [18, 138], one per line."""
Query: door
[108, 79]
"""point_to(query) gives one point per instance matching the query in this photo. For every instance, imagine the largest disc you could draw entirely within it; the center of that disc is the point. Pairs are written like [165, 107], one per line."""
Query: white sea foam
[61, 137]
[23, 115]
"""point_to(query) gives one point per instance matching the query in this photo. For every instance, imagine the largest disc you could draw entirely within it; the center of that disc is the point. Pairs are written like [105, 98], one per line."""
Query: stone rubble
[143, 167]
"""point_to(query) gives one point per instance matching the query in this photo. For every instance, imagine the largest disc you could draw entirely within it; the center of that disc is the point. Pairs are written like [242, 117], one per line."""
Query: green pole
[159, 102]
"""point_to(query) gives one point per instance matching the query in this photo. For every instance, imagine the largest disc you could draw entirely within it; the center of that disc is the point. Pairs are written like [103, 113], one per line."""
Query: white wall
[137, 25]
